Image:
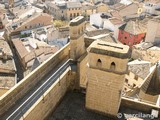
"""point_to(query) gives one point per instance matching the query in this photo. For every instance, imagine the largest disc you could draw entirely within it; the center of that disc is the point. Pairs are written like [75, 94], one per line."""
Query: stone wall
[19, 90]
[47, 103]
[88, 41]
[150, 98]
[3, 91]
[82, 70]
[142, 106]
[104, 91]
[152, 55]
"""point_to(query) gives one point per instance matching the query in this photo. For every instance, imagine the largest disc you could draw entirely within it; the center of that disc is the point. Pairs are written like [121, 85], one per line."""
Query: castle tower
[77, 46]
[107, 66]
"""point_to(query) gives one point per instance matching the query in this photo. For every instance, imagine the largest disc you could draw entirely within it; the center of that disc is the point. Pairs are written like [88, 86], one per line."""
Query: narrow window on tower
[99, 63]
[113, 66]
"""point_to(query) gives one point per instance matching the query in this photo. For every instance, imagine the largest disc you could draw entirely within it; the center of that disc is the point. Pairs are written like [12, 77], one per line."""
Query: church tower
[77, 46]
[107, 66]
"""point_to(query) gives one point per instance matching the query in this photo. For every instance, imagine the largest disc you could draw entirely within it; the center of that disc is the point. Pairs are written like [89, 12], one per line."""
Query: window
[136, 77]
[71, 15]
[99, 63]
[77, 14]
[128, 73]
[113, 66]
[25, 27]
[74, 14]
[126, 80]
[39, 24]
[134, 85]
[62, 11]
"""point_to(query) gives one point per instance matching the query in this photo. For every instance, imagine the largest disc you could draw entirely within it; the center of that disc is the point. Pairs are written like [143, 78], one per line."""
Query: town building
[153, 35]
[88, 9]
[131, 33]
[31, 50]
[152, 7]
[137, 72]
[8, 75]
[64, 10]
[30, 22]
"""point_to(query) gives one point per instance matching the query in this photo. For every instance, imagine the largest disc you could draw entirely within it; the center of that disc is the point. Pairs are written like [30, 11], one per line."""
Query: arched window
[82, 29]
[113, 66]
[99, 63]
[71, 15]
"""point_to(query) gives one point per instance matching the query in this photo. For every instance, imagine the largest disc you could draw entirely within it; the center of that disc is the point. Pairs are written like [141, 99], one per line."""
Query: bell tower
[77, 46]
[107, 66]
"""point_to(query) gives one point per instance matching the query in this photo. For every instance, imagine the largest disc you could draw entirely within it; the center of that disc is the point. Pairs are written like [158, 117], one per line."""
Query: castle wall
[47, 103]
[20, 89]
[138, 105]
[82, 67]
[148, 98]
[104, 91]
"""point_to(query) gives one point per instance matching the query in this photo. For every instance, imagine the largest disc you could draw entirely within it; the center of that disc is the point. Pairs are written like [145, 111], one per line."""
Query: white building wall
[95, 19]
[153, 31]
[108, 25]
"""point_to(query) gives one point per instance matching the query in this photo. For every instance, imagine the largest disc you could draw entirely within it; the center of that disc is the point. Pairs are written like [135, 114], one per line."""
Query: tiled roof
[7, 81]
[5, 47]
[74, 5]
[140, 68]
[116, 21]
[97, 32]
[152, 83]
[22, 51]
[118, 6]
[133, 28]
[7, 66]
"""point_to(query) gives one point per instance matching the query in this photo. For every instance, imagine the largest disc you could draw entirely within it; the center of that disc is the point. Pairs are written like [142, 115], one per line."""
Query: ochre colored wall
[82, 71]
[3, 91]
[148, 98]
[47, 103]
[19, 90]
[142, 106]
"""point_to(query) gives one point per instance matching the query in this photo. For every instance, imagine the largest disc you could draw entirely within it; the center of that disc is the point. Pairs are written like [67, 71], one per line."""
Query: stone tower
[77, 46]
[107, 66]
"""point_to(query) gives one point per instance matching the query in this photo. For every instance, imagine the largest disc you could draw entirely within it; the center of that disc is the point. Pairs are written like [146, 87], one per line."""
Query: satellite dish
[32, 44]
[140, 10]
